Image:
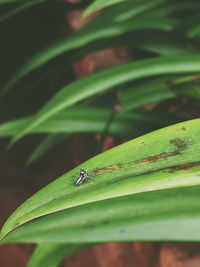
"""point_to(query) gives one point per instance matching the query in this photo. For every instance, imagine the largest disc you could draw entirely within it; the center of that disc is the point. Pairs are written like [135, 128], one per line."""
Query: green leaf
[10, 1]
[135, 6]
[51, 255]
[129, 10]
[46, 144]
[92, 120]
[160, 89]
[109, 78]
[146, 93]
[171, 7]
[167, 158]
[187, 86]
[163, 215]
[163, 43]
[25, 5]
[91, 32]
[99, 4]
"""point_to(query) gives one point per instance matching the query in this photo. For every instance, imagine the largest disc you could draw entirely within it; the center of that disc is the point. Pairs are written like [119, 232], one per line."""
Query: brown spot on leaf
[156, 157]
[109, 169]
[180, 143]
[153, 158]
[187, 166]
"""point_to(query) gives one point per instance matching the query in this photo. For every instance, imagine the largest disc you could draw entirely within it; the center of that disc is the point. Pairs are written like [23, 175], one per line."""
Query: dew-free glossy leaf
[167, 158]
[163, 215]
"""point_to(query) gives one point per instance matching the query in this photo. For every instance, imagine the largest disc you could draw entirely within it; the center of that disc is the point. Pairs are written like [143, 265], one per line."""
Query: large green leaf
[167, 158]
[108, 78]
[170, 215]
[52, 254]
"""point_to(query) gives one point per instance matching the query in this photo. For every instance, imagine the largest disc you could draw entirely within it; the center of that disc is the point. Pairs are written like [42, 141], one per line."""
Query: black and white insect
[83, 175]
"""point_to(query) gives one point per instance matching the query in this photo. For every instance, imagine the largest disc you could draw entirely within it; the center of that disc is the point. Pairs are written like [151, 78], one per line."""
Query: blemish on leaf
[142, 144]
[153, 158]
[106, 222]
[109, 169]
[186, 166]
[122, 230]
[156, 157]
[180, 143]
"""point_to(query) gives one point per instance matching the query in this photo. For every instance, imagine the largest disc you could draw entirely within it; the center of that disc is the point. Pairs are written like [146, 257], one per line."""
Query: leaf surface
[167, 158]
[163, 215]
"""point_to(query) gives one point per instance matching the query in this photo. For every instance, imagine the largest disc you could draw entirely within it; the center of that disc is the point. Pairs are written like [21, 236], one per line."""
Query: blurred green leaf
[108, 78]
[91, 32]
[52, 254]
[186, 86]
[22, 7]
[92, 120]
[171, 7]
[46, 144]
[194, 27]
[160, 89]
[166, 158]
[10, 1]
[164, 43]
[146, 93]
[100, 4]
[129, 10]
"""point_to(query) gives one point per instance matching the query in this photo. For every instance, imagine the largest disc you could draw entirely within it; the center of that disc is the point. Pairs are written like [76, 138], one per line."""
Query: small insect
[83, 175]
